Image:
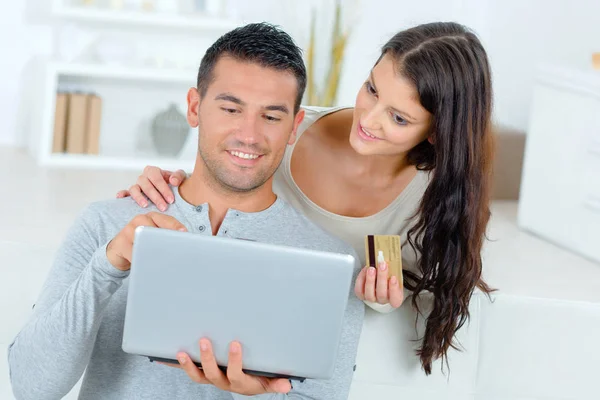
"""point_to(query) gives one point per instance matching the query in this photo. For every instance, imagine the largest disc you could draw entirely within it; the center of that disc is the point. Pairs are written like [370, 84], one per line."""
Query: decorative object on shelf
[190, 148]
[148, 5]
[88, 3]
[327, 94]
[596, 60]
[170, 131]
[116, 4]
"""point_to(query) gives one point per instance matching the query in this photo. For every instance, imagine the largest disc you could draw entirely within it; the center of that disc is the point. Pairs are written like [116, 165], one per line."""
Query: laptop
[285, 305]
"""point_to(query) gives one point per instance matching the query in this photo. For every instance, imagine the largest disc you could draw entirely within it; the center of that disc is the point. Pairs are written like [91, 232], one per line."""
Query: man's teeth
[244, 155]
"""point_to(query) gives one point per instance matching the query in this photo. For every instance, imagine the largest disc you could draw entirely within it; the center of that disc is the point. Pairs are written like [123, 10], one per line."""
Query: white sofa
[538, 339]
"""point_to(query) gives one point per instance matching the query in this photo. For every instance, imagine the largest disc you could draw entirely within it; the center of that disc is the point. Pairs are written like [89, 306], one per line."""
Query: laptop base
[224, 369]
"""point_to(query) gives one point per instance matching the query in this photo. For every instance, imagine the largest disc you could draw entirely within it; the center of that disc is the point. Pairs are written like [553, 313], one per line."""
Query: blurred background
[94, 90]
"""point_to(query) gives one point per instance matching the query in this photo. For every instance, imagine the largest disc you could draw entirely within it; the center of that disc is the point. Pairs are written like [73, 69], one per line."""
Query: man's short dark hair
[260, 43]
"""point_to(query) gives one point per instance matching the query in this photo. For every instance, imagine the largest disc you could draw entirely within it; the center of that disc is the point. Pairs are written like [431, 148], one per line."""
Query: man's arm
[49, 355]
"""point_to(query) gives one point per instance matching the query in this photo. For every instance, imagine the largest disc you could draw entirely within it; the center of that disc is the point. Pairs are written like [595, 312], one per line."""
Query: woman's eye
[370, 89]
[399, 120]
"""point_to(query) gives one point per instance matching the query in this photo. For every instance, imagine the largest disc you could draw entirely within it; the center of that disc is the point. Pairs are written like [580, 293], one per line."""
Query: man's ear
[297, 121]
[193, 101]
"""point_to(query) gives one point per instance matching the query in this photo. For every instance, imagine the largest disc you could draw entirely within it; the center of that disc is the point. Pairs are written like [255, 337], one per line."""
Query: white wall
[525, 33]
[23, 33]
[376, 22]
[517, 34]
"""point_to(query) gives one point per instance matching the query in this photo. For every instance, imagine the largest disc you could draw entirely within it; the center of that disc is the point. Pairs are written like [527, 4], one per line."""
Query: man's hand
[235, 380]
[119, 249]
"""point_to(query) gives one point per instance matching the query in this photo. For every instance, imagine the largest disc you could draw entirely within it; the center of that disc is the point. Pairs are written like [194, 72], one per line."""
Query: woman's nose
[371, 119]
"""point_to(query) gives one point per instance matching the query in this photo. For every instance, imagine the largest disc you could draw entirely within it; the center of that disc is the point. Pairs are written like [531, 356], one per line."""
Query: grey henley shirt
[77, 321]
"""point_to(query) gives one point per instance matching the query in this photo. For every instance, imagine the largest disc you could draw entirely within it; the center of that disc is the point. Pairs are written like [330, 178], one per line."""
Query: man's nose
[248, 131]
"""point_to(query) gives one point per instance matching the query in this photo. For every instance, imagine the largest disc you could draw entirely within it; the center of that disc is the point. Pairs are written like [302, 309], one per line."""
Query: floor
[38, 205]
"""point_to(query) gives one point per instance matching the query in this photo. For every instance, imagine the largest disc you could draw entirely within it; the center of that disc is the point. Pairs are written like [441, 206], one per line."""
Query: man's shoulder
[116, 208]
[111, 215]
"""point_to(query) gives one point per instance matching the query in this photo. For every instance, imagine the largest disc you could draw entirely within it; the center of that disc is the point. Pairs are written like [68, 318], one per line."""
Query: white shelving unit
[123, 72]
[89, 14]
[41, 144]
[121, 163]
[146, 89]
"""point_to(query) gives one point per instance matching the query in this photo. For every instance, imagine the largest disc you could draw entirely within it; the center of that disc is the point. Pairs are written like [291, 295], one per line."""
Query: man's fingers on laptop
[186, 364]
[127, 250]
[210, 367]
[240, 382]
[247, 384]
[166, 222]
[139, 220]
[119, 250]
[234, 366]
[280, 385]
[359, 285]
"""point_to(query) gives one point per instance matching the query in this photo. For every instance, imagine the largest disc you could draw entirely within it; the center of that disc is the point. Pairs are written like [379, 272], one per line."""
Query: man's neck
[199, 189]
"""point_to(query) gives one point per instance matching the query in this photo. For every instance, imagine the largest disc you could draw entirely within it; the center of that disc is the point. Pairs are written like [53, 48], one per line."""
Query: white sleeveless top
[392, 220]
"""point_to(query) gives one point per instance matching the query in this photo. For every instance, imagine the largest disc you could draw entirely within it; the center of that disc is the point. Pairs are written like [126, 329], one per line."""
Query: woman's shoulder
[326, 121]
[321, 109]
[314, 113]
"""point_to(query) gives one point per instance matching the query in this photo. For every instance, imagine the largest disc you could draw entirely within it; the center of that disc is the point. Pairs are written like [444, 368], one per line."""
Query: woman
[413, 157]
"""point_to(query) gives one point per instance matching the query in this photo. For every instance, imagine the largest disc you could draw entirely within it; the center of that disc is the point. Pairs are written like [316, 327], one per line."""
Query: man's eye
[270, 118]
[229, 110]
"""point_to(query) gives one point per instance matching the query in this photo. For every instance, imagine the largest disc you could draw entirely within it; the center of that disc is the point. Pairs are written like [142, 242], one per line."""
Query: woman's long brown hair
[449, 68]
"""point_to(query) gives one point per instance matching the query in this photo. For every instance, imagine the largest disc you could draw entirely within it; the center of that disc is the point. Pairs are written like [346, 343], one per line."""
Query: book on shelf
[94, 114]
[60, 122]
[77, 120]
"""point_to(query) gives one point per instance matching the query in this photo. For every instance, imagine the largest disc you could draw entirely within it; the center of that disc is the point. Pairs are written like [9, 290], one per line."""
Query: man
[247, 109]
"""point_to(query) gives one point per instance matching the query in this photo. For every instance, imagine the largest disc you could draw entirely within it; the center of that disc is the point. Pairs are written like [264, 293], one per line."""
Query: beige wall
[508, 163]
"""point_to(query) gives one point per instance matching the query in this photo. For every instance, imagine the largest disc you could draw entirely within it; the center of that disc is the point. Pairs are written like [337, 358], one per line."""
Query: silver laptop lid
[284, 305]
